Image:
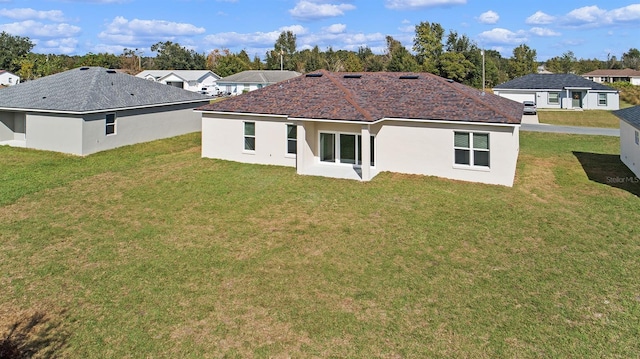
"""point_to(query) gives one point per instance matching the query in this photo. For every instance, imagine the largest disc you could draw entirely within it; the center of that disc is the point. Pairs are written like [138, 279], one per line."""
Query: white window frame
[605, 99]
[336, 149]
[245, 136]
[557, 101]
[291, 140]
[112, 125]
[637, 138]
[472, 151]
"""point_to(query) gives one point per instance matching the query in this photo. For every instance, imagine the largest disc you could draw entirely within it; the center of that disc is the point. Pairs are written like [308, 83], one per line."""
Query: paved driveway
[530, 119]
[570, 129]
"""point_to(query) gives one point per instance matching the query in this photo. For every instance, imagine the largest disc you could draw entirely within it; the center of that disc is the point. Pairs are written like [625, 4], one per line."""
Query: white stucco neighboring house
[251, 80]
[8, 79]
[630, 138]
[560, 91]
[354, 126]
[91, 109]
[614, 75]
[191, 80]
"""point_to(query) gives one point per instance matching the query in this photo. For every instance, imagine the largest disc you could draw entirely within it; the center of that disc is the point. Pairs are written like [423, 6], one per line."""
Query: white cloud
[587, 14]
[543, 32]
[123, 31]
[61, 46]
[540, 18]
[29, 14]
[489, 17]
[417, 4]
[31, 28]
[499, 36]
[336, 28]
[309, 10]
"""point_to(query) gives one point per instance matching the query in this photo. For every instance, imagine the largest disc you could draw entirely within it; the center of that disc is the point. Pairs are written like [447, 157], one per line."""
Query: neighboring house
[354, 126]
[91, 109]
[608, 76]
[630, 137]
[560, 91]
[251, 80]
[8, 79]
[191, 80]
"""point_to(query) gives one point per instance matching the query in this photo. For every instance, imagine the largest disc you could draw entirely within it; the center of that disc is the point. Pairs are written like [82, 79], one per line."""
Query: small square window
[602, 99]
[110, 121]
[471, 149]
[553, 98]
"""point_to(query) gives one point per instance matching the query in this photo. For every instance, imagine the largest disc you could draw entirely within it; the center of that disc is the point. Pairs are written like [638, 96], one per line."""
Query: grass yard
[150, 251]
[587, 118]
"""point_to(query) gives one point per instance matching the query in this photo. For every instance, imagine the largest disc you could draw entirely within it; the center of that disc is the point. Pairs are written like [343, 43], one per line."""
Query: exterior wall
[9, 79]
[7, 126]
[136, 126]
[515, 95]
[590, 101]
[60, 133]
[629, 148]
[223, 138]
[635, 81]
[238, 88]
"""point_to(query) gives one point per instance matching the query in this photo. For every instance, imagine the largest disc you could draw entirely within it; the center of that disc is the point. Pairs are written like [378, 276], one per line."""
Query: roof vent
[450, 81]
[409, 77]
[111, 71]
[314, 75]
[352, 76]
[84, 68]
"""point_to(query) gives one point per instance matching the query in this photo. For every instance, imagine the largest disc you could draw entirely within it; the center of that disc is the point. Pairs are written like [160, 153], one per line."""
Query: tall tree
[284, 50]
[453, 65]
[370, 61]
[523, 61]
[565, 64]
[172, 56]
[400, 59]
[12, 49]
[631, 59]
[427, 45]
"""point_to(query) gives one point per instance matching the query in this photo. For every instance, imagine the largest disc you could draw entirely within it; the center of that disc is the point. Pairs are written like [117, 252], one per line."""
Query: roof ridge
[474, 97]
[348, 96]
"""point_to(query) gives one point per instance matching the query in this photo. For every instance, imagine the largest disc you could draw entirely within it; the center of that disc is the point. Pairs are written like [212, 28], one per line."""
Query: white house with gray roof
[91, 109]
[191, 80]
[251, 80]
[560, 91]
[630, 137]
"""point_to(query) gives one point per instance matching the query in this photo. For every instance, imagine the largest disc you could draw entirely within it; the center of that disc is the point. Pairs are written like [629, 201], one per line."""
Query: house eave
[34, 110]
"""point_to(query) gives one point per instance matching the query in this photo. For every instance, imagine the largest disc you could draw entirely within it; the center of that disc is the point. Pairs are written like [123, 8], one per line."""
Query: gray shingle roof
[373, 96]
[93, 89]
[187, 75]
[630, 115]
[260, 76]
[552, 82]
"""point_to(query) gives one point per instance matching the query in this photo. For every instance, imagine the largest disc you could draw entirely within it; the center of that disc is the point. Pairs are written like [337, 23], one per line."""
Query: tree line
[447, 54]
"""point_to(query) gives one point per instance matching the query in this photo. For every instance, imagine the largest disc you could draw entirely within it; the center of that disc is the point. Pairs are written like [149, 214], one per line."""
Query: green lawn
[587, 118]
[150, 251]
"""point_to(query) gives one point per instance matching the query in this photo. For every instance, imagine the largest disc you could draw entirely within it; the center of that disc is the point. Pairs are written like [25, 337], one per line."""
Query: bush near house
[628, 93]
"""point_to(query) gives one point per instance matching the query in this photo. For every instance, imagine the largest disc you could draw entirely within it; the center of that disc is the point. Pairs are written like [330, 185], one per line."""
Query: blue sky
[590, 29]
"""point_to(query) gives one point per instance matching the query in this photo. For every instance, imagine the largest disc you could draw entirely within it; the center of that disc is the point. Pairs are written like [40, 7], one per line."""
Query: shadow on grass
[30, 335]
[608, 169]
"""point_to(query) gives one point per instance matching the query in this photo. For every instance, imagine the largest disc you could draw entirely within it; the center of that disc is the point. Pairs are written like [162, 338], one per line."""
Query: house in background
[630, 137]
[614, 75]
[8, 79]
[251, 80]
[559, 91]
[91, 109]
[354, 126]
[190, 80]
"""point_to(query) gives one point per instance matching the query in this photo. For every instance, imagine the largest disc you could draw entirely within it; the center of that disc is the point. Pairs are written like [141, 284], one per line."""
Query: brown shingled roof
[372, 96]
[614, 73]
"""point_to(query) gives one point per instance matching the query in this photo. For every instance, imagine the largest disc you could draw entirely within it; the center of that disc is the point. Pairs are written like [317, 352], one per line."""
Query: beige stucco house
[354, 126]
[630, 138]
[91, 109]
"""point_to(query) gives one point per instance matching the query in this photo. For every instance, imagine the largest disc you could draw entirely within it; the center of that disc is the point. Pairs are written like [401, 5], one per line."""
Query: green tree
[453, 65]
[370, 61]
[631, 59]
[224, 63]
[12, 49]
[107, 60]
[565, 64]
[523, 61]
[427, 45]
[400, 59]
[172, 56]
[283, 50]
[309, 60]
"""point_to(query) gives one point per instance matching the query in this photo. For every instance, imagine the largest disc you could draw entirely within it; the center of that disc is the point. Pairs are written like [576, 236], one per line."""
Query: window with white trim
[637, 138]
[553, 98]
[471, 149]
[250, 136]
[292, 142]
[344, 148]
[110, 124]
[602, 99]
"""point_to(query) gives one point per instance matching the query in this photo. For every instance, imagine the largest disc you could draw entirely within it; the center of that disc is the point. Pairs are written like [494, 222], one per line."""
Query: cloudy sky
[590, 29]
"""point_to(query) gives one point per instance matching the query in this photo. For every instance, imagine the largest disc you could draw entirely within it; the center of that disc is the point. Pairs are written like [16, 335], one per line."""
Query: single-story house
[91, 109]
[567, 91]
[251, 80]
[354, 126]
[614, 75]
[8, 79]
[191, 80]
[630, 137]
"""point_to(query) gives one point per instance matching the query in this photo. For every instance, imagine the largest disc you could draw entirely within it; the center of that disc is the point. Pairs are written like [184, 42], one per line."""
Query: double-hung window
[602, 99]
[250, 136]
[471, 149]
[292, 143]
[553, 98]
[344, 148]
[110, 124]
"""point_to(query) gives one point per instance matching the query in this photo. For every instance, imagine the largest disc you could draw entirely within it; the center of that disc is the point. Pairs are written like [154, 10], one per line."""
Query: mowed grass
[151, 251]
[586, 118]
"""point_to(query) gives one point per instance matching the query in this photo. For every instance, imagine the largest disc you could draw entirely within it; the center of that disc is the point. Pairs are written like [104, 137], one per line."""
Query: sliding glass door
[343, 148]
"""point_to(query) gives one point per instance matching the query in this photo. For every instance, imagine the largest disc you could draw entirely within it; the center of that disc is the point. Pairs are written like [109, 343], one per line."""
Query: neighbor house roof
[260, 76]
[614, 73]
[373, 96]
[630, 115]
[92, 89]
[552, 82]
[186, 75]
